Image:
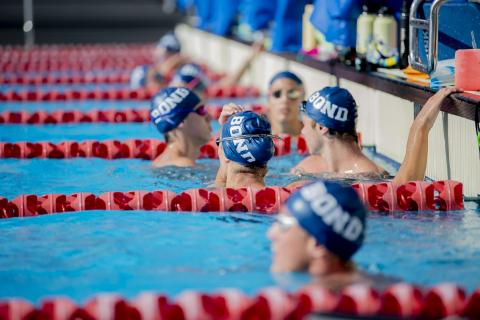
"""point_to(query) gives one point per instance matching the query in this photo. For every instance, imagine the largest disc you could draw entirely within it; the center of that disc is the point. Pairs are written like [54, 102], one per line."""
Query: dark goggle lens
[303, 106]
[201, 110]
[217, 141]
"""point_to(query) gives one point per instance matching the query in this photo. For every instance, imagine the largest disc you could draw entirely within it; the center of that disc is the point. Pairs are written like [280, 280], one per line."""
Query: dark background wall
[87, 21]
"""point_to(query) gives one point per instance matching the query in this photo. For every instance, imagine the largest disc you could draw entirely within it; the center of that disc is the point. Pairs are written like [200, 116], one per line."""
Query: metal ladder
[430, 28]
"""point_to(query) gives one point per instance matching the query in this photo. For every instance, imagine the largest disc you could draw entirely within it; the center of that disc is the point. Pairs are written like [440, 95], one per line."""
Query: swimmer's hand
[228, 110]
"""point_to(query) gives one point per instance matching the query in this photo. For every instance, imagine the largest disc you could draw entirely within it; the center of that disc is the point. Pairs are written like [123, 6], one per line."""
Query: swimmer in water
[180, 115]
[318, 230]
[167, 58]
[329, 129]
[285, 94]
[191, 76]
[245, 147]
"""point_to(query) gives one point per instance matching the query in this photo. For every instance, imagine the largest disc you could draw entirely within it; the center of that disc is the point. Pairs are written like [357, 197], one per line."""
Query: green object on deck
[478, 139]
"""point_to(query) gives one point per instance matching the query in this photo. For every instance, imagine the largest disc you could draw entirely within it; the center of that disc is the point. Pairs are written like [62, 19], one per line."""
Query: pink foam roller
[237, 200]
[467, 69]
[57, 308]
[472, 306]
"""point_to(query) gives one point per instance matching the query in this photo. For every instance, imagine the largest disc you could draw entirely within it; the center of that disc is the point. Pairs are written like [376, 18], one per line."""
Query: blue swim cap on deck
[138, 77]
[286, 74]
[255, 150]
[333, 214]
[170, 43]
[192, 75]
[334, 108]
[171, 106]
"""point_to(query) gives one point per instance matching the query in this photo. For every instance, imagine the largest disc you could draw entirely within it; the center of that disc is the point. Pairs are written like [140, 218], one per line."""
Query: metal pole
[28, 29]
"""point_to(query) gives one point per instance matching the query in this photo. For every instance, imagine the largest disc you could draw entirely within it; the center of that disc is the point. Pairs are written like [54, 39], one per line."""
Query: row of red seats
[412, 196]
[119, 94]
[89, 78]
[400, 300]
[95, 115]
[111, 149]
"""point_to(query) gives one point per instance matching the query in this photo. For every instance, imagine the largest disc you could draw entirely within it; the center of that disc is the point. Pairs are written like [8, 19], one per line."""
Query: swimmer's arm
[414, 164]
[238, 74]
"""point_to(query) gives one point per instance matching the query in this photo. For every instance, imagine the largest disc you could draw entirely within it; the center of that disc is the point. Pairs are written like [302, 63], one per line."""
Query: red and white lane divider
[147, 149]
[400, 301]
[415, 195]
[213, 91]
[95, 115]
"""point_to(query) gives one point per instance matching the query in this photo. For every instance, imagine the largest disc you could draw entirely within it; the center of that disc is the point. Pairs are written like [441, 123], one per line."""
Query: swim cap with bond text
[170, 106]
[247, 140]
[333, 214]
[334, 108]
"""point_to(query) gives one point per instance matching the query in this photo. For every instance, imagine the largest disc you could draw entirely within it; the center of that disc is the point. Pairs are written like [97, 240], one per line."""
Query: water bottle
[385, 33]
[404, 36]
[364, 37]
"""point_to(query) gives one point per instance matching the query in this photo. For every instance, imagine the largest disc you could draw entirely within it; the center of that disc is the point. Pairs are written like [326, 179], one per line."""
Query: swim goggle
[285, 222]
[249, 136]
[292, 94]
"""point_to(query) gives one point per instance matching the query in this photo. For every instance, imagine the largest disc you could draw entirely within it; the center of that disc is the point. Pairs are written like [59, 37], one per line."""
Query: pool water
[80, 254]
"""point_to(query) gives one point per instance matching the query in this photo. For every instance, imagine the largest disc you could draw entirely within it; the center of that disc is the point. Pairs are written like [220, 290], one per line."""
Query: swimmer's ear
[322, 130]
[315, 250]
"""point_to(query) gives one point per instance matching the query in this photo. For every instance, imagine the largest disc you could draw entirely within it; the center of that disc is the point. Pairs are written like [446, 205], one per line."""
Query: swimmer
[245, 147]
[167, 58]
[285, 93]
[329, 129]
[318, 230]
[191, 76]
[180, 115]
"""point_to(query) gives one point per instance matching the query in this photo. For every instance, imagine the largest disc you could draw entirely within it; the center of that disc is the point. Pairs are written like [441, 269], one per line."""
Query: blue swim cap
[171, 106]
[334, 108]
[192, 75]
[286, 74]
[138, 77]
[333, 214]
[170, 43]
[256, 150]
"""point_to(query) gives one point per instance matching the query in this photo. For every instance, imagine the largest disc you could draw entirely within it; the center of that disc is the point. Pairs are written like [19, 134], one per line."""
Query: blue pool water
[80, 254]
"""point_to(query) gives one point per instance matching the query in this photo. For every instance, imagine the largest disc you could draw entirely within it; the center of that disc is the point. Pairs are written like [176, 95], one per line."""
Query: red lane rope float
[118, 94]
[147, 149]
[117, 77]
[400, 300]
[95, 115]
[266, 200]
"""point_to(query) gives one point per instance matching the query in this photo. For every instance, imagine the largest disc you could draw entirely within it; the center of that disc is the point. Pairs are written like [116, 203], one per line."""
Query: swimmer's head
[321, 221]
[191, 76]
[167, 45]
[139, 76]
[285, 75]
[247, 140]
[286, 91]
[333, 108]
[170, 106]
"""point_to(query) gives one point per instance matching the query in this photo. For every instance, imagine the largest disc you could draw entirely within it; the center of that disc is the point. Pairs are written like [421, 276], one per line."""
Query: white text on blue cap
[241, 147]
[326, 206]
[166, 104]
[320, 103]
